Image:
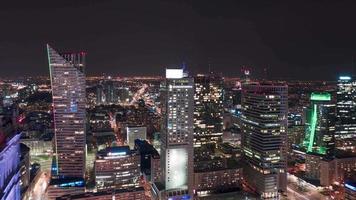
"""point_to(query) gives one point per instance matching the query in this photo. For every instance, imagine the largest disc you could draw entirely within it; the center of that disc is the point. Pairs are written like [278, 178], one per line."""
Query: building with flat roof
[345, 133]
[208, 109]
[264, 136]
[117, 194]
[338, 169]
[177, 134]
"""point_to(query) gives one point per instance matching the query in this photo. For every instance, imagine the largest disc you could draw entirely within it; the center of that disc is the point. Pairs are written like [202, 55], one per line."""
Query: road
[139, 94]
[300, 190]
[39, 189]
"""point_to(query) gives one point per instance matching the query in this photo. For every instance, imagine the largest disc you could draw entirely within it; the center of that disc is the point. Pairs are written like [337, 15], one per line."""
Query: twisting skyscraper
[177, 137]
[68, 92]
[264, 126]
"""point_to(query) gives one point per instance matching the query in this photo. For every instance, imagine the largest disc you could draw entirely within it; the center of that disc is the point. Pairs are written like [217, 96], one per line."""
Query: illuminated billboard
[177, 168]
[174, 73]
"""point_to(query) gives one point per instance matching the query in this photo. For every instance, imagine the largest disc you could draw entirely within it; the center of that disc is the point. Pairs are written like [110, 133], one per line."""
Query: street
[39, 189]
[300, 190]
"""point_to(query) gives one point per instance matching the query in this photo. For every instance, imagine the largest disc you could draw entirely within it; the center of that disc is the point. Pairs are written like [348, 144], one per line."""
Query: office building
[135, 132]
[337, 169]
[345, 133]
[156, 172]
[68, 93]
[117, 168]
[264, 129]
[320, 125]
[147, 152]
[213, 181]
[63, 186]
[9, 166]
[176, 137]
[208, 109]
[312, 165]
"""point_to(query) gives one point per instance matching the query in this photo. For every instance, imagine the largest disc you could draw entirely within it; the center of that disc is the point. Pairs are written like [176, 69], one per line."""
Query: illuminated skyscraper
[320, 131]
[208, 109]
[68, 91]
[177, 137]
[346, 114]
[264, 129]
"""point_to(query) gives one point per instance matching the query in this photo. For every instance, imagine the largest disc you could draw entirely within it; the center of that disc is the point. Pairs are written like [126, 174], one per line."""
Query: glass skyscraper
[208, 109]
[68, 92]
[177, 136]
[346, 114]
[264, 131]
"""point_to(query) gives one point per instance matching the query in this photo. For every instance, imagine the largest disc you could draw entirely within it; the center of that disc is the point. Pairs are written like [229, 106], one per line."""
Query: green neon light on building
[312, 128]
[320, 96]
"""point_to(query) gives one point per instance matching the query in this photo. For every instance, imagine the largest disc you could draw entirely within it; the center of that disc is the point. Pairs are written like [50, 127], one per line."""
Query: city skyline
[177, 100]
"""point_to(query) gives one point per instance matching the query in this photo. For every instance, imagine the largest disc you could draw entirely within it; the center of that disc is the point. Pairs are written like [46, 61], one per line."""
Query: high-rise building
[68, 92]
[264, 128]
[176, 137]
[208, 109]
[320, 125]
[345, 133]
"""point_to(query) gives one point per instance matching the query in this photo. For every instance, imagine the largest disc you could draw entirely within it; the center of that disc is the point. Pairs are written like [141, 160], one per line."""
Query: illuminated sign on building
[177, 176]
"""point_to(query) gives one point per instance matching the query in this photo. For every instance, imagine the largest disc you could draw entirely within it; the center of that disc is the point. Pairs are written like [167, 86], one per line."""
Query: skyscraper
[208, 109]
[346, 114]
[177, 137]
[264, 129]
[68, 91]
[319, 137]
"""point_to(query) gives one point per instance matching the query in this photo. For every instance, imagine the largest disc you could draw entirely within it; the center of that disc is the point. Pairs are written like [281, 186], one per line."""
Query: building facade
[117, 168]
[135, 132]
[337, 169]
[208, 109]
[215, 180]
[10, 168]
[346, 114]
[120, 194]
[264, 129]
[68, 93]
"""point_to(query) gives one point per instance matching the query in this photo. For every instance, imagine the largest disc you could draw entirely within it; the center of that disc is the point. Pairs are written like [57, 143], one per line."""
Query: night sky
[292, 39]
